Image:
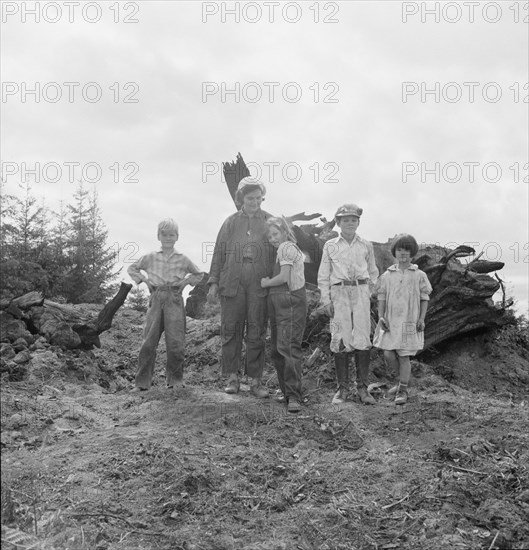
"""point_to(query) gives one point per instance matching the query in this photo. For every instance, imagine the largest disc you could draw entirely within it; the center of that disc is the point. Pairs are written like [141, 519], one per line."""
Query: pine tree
[28, 220]
[90, 272]
[8, 204]
[138, 299]
[100, 258]
[22, 239]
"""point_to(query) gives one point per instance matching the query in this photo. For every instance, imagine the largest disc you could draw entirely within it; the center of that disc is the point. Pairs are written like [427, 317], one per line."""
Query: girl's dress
[402, 292]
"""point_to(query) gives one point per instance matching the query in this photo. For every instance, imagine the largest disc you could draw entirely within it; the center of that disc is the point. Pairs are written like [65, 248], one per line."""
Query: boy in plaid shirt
[166, 273]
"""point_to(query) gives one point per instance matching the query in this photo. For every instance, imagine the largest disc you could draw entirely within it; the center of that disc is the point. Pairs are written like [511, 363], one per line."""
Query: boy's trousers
[166, 313]
[288, 315]
[351, 323]
[248, 307]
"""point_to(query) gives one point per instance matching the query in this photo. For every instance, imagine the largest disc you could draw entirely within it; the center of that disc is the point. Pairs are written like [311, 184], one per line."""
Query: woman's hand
[265, 282]
[213, 293]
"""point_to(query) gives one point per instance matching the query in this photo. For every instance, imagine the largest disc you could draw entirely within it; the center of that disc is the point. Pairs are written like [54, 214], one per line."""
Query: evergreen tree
[138, 299]
[28, 219]
[59, 258]
[89, 276]
[22, 239]
[8, 204]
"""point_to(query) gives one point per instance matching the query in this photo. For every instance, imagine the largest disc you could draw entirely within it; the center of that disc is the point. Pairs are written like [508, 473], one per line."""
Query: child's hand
[383, 324]
[182, 284]
[213, 293]
[150, 286]
[265, 281]
[420, 325]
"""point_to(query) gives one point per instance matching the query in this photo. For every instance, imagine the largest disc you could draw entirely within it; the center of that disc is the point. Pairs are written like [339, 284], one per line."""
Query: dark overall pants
[288, 315]
[245, 310]
[166, 313]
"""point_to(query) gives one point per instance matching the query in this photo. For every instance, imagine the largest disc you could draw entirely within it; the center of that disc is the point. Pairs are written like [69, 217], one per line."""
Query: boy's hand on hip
[150, 286]
[182, 284]
[213, 293]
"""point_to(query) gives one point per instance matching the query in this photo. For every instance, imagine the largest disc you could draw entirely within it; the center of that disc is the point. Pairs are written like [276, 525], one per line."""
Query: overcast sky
[330, 102]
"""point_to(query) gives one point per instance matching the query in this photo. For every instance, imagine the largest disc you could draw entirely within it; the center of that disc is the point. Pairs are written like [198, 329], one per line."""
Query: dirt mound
[87, 465]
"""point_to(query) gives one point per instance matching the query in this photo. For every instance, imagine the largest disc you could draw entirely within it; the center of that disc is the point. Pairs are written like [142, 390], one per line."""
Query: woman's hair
[283, 226]
[405, 241]
[247, 185]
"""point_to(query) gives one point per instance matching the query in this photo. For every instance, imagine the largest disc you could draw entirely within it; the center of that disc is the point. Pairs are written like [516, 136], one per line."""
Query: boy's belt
[165, 287]
[356, 282]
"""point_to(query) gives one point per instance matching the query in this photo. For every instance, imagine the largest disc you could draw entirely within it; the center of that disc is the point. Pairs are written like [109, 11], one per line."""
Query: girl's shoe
[402, 397]
[339, 397]
[293, 405]
[279, 397]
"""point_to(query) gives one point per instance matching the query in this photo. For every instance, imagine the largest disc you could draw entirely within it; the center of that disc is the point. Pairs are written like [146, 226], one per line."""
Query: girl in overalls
[287, 309]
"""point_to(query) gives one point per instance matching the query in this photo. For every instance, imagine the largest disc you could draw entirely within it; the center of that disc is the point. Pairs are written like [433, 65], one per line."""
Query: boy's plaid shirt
[163, 270]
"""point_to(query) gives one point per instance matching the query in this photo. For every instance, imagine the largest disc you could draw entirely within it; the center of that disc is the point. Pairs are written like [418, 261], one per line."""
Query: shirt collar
[355, 238]
[258, 214]
[174, 251]
[395, 267]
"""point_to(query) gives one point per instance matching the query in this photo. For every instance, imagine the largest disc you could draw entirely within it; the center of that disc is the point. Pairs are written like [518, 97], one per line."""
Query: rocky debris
[62, 325]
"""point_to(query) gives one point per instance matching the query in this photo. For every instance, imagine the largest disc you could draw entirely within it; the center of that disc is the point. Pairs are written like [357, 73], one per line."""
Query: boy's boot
[362, 371]
[342, 376]
[351, 374]
[257, 389]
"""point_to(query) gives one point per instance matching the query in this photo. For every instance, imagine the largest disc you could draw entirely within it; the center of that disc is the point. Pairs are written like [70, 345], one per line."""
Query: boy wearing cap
[241, 258]
[346, 272]
[166, 273]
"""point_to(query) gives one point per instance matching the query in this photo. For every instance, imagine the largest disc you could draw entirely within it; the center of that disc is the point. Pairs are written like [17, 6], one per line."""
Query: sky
[415, 111]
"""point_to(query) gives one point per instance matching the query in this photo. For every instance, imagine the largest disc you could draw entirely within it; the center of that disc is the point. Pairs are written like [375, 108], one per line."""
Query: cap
[248, 180]
[348, 210]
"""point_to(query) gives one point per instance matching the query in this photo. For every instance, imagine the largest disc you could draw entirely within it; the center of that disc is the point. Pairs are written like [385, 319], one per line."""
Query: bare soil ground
[87, 465]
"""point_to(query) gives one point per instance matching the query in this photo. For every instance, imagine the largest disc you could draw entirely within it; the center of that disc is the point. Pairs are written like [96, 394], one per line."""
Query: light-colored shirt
[403, 292]
[165, 270]
[288, 253]
[342, 261]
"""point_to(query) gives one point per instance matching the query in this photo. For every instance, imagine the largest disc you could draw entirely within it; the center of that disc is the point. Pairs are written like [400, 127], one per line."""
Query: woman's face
[251, 202]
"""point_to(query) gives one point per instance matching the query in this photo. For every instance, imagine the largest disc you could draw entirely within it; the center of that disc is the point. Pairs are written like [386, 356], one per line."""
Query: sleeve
[324, 275]
[219, 253]
[134, 269]
[381, 287]
[425, 288]
[372, 268]
[288, 253]
[196, 274]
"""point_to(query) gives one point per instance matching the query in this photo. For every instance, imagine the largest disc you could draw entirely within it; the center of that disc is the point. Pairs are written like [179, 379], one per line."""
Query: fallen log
[64, 325]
